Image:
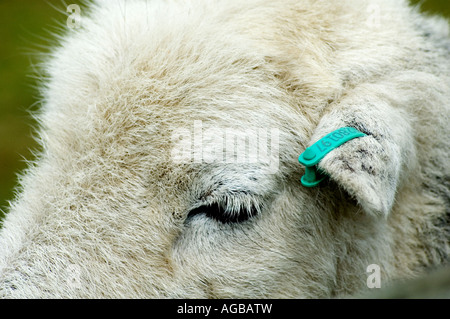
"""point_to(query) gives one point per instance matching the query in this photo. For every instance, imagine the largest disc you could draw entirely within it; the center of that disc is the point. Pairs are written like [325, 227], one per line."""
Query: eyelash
[217, 212]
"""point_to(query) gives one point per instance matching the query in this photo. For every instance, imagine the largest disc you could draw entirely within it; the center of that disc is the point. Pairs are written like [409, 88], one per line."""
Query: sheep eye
[217, 212]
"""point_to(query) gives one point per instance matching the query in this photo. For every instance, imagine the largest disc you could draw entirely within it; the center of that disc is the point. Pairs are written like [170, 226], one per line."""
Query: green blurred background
[26, 27]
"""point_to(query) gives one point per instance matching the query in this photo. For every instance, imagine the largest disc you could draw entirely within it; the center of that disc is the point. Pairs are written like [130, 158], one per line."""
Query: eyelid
[216, 212]
[231, 208]
[233, 201]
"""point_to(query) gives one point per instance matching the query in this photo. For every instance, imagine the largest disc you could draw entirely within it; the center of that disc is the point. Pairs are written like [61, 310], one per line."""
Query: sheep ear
[369, 167]
[367, 170]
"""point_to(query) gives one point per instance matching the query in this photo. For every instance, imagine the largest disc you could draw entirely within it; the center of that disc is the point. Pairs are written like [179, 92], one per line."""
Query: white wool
[105, 210]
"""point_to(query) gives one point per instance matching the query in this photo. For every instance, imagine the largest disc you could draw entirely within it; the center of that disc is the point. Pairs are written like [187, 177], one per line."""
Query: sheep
[139, 193]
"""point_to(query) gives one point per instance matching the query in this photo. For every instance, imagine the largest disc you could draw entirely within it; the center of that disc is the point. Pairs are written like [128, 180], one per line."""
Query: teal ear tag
[315, 153]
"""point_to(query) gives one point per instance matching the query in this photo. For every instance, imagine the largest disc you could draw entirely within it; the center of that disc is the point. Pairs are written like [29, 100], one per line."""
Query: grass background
[25, 27]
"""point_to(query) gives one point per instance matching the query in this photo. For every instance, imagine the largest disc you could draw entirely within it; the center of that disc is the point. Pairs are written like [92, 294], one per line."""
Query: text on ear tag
[315, 153]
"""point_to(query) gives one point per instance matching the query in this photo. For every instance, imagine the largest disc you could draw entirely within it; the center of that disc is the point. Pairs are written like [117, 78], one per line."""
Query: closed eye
[227, 216]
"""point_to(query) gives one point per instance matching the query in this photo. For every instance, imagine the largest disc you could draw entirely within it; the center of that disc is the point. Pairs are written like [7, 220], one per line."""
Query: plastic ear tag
[315, 153]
